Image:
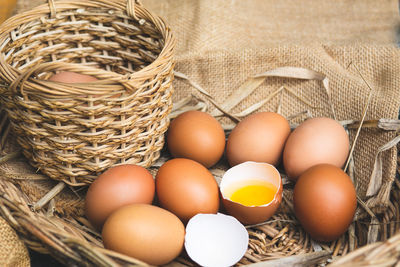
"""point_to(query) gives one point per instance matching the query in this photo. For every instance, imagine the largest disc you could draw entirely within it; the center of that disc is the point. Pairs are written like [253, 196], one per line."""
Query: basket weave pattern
[72, 132]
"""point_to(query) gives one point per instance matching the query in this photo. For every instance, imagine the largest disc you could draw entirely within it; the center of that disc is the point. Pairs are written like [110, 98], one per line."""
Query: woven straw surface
[221, 46]
[74, 132]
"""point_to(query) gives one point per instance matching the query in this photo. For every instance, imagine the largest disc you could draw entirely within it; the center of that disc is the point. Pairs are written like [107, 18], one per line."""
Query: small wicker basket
[72, 132]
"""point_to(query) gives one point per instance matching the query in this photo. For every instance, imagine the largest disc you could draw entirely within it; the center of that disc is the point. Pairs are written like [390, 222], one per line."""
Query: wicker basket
[72, 132]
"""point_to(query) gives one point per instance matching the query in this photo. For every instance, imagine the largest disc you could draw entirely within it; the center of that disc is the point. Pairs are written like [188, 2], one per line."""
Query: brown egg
[186, 188]
[198, 136]
[251, 191]
[118, 186]
[145, 232]
[315, 141]
[324, 201]
[259, 137]
[71, 77]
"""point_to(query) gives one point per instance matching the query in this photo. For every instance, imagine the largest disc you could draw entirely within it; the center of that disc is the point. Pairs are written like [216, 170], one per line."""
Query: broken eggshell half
[246, 174]
[215, 240]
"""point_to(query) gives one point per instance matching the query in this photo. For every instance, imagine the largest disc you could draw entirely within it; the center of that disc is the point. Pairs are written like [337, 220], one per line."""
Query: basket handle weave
[52, 6]
[130, 8]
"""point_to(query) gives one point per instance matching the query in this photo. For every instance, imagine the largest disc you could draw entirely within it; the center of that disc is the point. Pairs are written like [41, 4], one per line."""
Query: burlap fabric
[222, 44]
[13, 252]
[237, 24]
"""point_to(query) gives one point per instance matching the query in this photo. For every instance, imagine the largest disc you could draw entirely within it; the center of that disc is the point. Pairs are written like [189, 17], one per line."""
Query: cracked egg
[251, 191]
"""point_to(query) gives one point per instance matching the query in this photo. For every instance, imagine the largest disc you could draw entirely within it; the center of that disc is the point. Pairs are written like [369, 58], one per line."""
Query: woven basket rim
[110, 107]
[166, 53]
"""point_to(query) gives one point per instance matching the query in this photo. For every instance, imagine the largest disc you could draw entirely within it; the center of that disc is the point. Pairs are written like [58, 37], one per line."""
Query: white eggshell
[215, 240]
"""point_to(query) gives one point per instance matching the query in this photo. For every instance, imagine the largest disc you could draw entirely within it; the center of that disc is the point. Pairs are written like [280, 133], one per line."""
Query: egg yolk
[255, 194]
